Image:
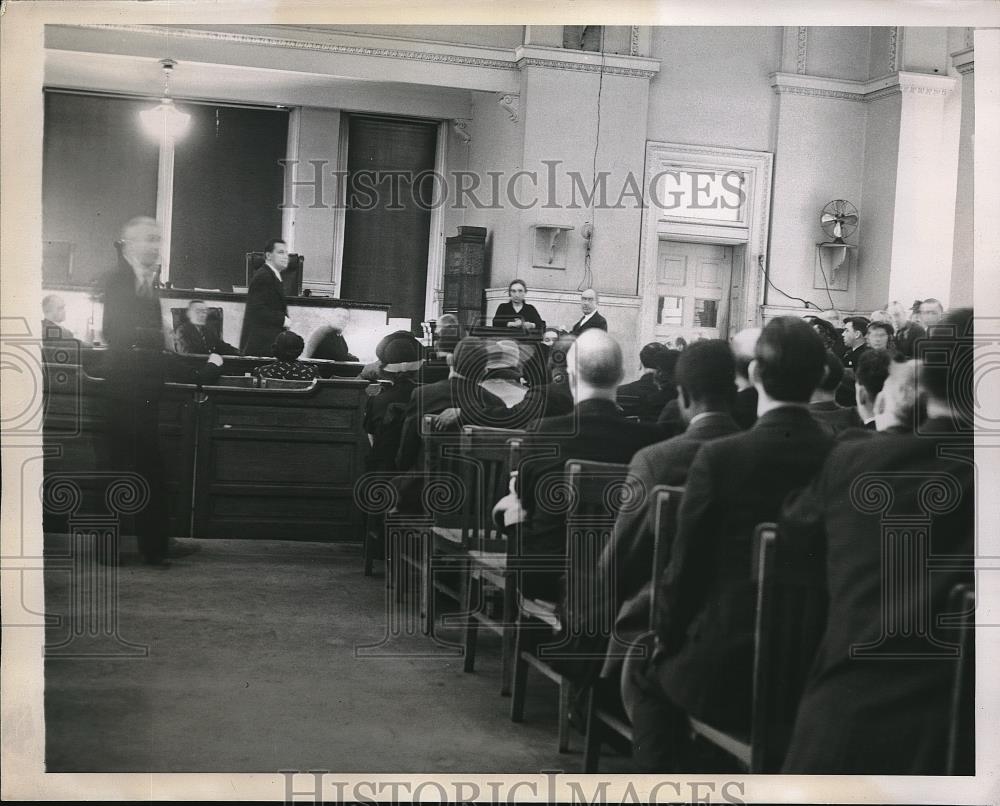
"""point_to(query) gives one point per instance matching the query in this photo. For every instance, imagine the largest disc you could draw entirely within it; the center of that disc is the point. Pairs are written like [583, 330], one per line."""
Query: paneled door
[693, 288]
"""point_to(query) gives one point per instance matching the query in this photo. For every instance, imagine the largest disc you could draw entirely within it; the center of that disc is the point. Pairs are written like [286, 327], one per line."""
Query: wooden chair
[603, 716]
[961, 758]
[495, 452]
[791, 615]
[593, 489]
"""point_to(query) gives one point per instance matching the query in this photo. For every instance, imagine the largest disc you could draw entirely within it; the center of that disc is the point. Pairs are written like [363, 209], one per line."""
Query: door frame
[747, 235]
[725, 319]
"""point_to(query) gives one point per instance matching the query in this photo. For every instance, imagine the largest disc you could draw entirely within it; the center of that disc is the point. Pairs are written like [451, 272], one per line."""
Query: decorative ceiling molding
[633, 45]
[964, 61]
[861, 91]
[894, 48]
[461, 128]
[802, 39]
[587, 62]
[435, 52]
[512, 103]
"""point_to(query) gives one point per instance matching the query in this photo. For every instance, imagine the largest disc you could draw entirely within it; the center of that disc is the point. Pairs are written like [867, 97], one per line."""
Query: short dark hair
[665, 362]
[932, 301]
[833, 373]
[513, 283]
[790, 359]
[288, 346]
[269, 246]
[859, 323]
[707, 372]
[872, 370]
[647, 355]
[946, 361]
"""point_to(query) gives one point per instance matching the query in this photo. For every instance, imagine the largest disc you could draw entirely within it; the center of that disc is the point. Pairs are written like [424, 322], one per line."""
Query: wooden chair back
[666, 501]
[961, 758]
[486, 475]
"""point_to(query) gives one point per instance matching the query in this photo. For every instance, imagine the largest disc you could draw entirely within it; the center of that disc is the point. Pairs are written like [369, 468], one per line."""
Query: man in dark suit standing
[877, 699]
[705, 389]
[703, 662]
[266, 313]
[595, 430]
[137, 368]
[591, 316]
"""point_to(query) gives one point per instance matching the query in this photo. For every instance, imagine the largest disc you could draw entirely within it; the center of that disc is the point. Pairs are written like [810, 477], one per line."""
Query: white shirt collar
[276, 272]
[587, 316]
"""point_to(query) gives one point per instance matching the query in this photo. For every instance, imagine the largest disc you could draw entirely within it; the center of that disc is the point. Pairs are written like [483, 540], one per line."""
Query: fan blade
[850, 219]
[826, 218]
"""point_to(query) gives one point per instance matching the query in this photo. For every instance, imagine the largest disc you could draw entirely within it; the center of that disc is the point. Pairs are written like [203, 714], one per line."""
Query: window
[670, 311]
[706, 312]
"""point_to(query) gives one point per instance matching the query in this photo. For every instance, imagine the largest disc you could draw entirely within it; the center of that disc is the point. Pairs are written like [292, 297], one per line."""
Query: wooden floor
[244, 657]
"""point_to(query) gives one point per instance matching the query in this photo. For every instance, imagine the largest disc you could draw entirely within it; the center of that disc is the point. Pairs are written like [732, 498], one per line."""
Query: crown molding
[801, 43]
[862, 91]
[964, 61]
[586, 61]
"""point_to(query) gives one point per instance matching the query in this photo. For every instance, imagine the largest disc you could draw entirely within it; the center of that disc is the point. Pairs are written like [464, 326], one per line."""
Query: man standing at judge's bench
[591, 316]
[266, 313]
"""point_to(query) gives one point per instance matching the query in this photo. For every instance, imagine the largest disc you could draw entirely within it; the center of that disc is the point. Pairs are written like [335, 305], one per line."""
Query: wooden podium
[465, 275]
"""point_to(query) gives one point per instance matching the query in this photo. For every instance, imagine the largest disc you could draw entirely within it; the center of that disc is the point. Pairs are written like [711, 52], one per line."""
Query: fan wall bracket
[832, 265]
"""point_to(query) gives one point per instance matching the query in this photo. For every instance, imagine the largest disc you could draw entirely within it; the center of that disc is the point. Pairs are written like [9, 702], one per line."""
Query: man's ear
[753, 372]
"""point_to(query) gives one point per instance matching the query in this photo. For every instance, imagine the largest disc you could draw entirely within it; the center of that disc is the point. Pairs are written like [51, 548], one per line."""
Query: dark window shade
[99, 170]
[385, 250]
[227, 193]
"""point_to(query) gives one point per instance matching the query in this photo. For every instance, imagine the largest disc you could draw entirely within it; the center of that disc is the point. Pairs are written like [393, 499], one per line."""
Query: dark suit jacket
[595, 430]
[852, 358]
[745, 407]
[264, 317]
[643, 398]
[883, 716]
[128, 318]
[907, 336]
[835, 416]
[506, 313]
[596, 320]
[705, 610]
[333, 347]
[385, 415]
[202, 340]
[476, 404]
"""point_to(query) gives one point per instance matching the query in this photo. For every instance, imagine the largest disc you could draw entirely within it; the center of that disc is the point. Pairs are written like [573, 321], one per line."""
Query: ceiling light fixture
[165, 121]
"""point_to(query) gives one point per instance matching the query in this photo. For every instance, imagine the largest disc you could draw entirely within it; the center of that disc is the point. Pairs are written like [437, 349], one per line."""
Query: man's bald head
[744, 345]
[595, 364]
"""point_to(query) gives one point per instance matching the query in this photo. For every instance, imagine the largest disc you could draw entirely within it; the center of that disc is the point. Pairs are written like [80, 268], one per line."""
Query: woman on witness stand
[516, 313]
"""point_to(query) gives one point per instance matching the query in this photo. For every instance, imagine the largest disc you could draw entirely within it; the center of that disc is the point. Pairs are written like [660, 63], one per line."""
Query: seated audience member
[386, 411]
[703, 663]
[327, 342]
[931, 311]
[705, 393]
[878, 696]
[668, 417]
[373, 371]
[854, 336]
[831, 337]
[643, 398]
[197, 336]
[287, 348]
[900, 408]
[880, 336]
[880, 316]
[448, 334]
[823, 405]
[462, 390]
[504, 372]
[595, 430]
[872, 371]
[744, 344]
[550, 335]
[54, 314]
[907, 331]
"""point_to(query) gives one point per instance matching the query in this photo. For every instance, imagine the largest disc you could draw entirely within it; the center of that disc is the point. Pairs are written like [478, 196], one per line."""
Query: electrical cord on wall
[826, 282]
[807, 303]
[588, 274]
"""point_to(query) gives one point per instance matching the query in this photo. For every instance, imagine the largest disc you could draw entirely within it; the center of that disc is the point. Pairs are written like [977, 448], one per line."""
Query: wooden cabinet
[465, 274]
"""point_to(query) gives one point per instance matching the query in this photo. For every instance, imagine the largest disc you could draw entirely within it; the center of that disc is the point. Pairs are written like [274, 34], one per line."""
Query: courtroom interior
[500, 398]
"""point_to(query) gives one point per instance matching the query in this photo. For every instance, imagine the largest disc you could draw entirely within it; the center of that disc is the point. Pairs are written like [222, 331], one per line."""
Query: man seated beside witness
[327, 342]
[53, 315]
[196, 336]
[705, 393]
[877, 699]
[596, 430]
[870, 375]
[703, 662]
[287, 348]
[642, 398]
[823, 404]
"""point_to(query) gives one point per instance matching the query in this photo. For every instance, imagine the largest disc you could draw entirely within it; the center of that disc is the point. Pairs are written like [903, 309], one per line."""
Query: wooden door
[694, 282]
